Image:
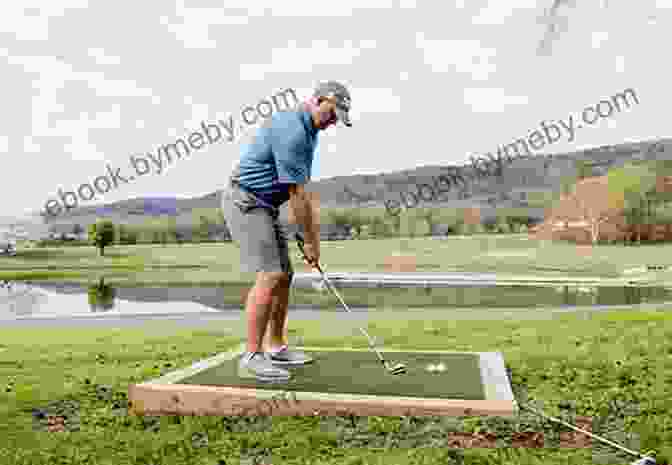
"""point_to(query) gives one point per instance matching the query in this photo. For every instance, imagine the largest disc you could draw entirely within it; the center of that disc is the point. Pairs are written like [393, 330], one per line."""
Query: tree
[381, 228]
[566, 186]
[338, 218]
[101, 296]
[594, 212]
[356, 220]
[129, 237]
[395, 223]
[101, 234]
[412, 225]
[121, 234]
[145, 233]
[633, 185]
[220, 217]
[430, 216]
[502, 227]
[490, 224]
[583, 169]
[203, 229]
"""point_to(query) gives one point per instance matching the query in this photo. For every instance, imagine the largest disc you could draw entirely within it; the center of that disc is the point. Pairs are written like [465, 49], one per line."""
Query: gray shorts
[260, 237]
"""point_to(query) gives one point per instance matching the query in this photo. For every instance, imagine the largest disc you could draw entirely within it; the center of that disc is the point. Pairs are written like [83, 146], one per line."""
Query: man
[274, 169]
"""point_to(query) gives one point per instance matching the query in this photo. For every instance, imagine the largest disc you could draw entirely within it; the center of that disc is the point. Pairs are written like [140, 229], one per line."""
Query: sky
[88, 84]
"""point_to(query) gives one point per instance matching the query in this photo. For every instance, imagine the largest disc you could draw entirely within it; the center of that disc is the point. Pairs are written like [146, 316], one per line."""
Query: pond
[46, 299]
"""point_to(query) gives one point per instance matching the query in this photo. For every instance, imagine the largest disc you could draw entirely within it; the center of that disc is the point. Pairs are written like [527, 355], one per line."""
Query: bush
[503, 228]
[61, 243]
[461, 229]
[469, 229]
[490, 224]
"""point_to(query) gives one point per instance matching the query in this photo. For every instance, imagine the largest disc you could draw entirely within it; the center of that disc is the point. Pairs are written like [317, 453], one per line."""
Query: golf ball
[440, 367]
[431, 368]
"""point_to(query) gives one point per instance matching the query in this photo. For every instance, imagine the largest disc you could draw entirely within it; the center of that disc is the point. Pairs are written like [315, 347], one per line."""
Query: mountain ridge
[543, 173]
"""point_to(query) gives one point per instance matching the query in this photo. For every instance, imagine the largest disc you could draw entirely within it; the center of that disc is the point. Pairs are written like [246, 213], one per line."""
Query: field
[219, 262]
[613, 367]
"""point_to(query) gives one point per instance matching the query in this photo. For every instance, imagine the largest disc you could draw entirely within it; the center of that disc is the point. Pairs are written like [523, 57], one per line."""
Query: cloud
[295, 59]
[464, 56]
[490, 100]
[375, 100]
[498, 12]
[52, 119]
[598, 38]
[301, 8]
[99, 56]
[28, 20]
[195, 24]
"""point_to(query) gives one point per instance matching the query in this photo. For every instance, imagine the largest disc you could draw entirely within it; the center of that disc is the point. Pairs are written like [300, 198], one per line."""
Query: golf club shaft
[338, 296]
[300, 241]
[613, 444]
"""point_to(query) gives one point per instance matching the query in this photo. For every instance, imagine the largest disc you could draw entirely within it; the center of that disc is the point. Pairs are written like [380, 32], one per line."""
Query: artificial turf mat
[355, 372]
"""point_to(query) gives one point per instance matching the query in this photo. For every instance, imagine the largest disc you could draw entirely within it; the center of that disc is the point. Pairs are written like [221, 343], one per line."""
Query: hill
[525, 183]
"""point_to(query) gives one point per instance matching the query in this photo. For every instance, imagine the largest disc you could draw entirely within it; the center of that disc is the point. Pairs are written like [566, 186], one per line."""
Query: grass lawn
[219, 262]
[615, 367]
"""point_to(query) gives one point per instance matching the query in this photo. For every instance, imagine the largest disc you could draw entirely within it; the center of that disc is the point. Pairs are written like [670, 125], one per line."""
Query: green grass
[615, 367]
[219, 262]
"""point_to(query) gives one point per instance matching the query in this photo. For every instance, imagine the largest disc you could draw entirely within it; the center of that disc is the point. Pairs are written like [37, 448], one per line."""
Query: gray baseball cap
[338, 91]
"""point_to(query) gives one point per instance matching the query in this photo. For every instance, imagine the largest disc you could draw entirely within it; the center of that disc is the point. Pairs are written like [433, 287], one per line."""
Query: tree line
[633, 188]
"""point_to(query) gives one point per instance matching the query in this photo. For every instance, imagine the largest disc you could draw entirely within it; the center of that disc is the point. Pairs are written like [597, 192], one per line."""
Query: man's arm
[293, 157]
[302, 212]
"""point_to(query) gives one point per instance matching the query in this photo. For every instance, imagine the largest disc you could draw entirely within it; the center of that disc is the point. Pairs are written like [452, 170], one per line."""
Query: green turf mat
[354, 372]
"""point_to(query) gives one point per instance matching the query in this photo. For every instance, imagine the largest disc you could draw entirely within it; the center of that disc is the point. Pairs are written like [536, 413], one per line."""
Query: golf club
[396, 369]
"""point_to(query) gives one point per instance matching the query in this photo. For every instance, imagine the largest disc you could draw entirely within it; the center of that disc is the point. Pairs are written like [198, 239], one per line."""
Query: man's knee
[273, 279]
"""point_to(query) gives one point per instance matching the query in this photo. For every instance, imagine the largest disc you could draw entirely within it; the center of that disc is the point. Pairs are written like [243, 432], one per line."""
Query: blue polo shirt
[280, 154]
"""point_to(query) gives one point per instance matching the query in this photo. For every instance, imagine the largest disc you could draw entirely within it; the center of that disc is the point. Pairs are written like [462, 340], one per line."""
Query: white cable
[636, 454]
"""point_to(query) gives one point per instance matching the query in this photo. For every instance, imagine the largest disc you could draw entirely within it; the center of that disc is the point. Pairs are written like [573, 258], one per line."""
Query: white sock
[275, 351]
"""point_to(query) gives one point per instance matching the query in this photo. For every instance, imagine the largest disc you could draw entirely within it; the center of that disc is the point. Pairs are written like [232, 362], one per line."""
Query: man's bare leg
[259, 307]
[276, 336]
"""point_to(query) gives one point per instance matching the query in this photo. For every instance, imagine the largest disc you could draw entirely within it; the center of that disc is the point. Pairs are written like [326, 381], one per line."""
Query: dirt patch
[525, 439]
[401, 263]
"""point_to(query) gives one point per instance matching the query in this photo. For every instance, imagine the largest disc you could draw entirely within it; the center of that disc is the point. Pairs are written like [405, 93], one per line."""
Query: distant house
[440, 230]
[76, 237]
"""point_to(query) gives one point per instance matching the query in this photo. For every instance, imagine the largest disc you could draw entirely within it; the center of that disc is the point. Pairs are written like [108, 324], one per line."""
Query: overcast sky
[87, 84]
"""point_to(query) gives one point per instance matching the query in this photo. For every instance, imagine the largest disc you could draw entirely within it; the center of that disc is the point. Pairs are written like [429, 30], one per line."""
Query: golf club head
[645, 461]
[397, 369]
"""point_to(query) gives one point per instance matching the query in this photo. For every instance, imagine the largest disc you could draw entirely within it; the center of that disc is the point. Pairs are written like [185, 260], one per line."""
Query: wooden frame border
[164, 395]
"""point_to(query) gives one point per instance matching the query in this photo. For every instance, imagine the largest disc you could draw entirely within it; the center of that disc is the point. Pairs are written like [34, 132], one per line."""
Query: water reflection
[101, 297]
[33, 299]
[19, 300]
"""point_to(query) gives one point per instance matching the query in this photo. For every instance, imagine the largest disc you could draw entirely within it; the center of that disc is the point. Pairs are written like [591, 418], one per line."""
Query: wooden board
[171, 394]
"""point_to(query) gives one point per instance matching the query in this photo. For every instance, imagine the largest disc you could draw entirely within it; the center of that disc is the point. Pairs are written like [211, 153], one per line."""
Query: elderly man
[274, 169]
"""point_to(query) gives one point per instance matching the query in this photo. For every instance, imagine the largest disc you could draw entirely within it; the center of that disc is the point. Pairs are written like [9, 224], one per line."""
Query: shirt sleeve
[293, 155]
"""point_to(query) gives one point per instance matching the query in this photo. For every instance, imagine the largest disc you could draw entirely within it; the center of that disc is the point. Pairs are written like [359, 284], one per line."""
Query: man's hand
[312, 254]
